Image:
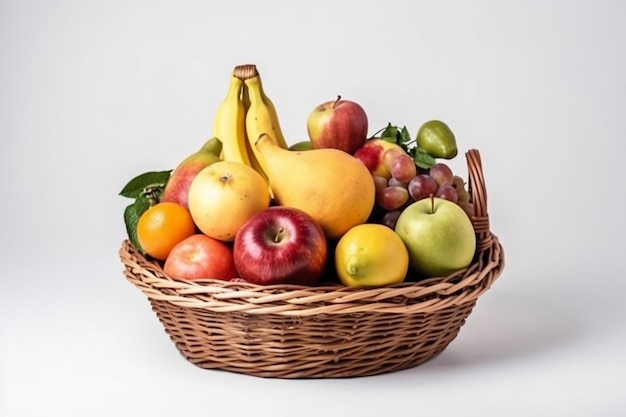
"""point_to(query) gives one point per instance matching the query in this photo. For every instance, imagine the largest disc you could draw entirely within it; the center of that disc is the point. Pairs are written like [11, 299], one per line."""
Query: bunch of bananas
[245, 114]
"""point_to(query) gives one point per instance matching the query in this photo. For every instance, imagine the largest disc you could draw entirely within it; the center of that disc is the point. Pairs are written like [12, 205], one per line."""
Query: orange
[162, 227]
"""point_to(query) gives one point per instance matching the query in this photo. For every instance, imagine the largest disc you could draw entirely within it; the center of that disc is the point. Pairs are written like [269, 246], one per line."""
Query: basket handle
[478, 196]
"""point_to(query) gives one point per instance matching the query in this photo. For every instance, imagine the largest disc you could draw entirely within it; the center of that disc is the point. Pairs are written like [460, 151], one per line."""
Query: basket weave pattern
[323, 331]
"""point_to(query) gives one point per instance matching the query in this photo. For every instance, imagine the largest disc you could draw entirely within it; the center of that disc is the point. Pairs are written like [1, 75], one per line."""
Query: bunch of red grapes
[408, 184]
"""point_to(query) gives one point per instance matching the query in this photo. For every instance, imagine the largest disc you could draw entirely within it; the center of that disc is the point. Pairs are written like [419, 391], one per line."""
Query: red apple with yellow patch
[177, 187]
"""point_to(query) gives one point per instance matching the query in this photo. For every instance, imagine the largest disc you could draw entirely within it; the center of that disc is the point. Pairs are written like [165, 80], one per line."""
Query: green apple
[439, 236]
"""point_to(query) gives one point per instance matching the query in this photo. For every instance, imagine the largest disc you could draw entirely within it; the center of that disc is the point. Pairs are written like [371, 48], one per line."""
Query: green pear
[177, 187]
[436, 138]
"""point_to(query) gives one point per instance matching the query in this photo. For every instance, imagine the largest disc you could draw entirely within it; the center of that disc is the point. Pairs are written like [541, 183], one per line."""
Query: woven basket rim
[409, 297]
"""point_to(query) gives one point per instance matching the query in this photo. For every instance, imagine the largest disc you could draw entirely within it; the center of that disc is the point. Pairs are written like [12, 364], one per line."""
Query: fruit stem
[279, 234]
[377, 132]
[336, 101]
[432, 203]
[243, 72]
[152, 193]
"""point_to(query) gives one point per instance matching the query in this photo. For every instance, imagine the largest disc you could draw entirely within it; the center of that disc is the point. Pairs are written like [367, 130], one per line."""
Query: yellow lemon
[371, 255]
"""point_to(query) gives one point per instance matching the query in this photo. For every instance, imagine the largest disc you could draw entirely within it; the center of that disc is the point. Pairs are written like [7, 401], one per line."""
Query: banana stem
[243, 72]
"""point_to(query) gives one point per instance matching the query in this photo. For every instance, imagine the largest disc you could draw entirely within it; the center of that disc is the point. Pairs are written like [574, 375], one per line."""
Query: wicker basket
[324, 331]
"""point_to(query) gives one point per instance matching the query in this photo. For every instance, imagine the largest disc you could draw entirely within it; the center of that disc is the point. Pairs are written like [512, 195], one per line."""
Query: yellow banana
[260, 119]
[229, 124]
[245, 97]
[280, 138]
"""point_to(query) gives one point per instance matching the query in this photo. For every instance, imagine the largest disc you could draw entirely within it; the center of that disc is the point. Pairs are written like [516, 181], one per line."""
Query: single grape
[395, 183]
[442, 173]
[464, 196]
[458, 182]
[379, 182]
[391, 218]
[422, 186]
[459, 185]
[389, 156]
[403, 168]
[447, 191]
[392, 198]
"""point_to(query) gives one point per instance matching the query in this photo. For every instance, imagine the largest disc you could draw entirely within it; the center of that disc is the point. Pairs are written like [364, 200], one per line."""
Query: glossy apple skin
[201, 257]
[340, 124]
[280, 245]
[371, 154]
[439, 241]
[177, 188]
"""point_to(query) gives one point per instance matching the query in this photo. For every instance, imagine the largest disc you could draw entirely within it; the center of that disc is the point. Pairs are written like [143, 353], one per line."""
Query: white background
[93, 93]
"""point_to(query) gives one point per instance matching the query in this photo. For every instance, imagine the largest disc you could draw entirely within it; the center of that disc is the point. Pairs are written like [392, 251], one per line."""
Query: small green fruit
[305, 145]
[436, 138]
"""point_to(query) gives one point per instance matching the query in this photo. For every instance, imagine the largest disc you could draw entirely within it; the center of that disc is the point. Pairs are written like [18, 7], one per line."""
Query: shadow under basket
[323, 331]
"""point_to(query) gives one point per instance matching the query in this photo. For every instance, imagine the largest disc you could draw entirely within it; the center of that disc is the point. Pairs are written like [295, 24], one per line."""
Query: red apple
[340, 124]
[280, 245]
[371, 154]
[177, 187]
[200, 257]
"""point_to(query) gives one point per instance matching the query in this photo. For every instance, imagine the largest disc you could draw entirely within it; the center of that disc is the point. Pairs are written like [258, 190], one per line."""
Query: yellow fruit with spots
[371, 255]
[223, 196]
[332, 186]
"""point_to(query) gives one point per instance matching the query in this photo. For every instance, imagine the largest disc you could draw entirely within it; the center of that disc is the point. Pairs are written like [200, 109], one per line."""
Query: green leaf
[421, 158]
[136, 186]
[131, 218]
[405, 135]
[390, 134]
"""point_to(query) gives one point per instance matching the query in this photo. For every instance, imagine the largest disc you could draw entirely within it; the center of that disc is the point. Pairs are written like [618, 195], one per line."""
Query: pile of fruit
[343, 207]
